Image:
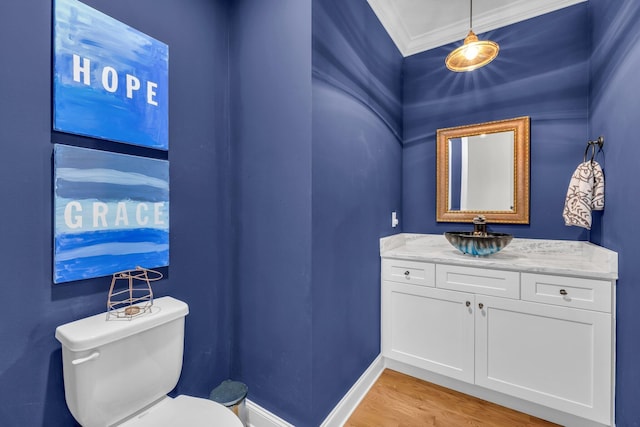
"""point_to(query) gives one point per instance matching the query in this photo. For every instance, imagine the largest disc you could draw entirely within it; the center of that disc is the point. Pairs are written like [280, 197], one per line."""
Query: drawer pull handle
[563, 292]
[481, 306]
[468, 303]
[406, 273]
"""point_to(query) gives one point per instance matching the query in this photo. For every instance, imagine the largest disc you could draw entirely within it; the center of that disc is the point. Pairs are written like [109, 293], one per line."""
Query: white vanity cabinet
[528, 332]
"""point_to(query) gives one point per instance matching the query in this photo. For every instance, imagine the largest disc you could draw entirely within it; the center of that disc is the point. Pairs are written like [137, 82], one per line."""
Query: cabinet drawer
[411, 272]
[479, 280]
[575, 292]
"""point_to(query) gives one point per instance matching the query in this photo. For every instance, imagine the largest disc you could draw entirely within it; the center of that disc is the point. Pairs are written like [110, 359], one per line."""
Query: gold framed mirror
[483, 169]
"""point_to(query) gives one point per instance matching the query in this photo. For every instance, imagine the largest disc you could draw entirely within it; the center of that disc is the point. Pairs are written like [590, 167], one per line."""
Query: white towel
[585, 194]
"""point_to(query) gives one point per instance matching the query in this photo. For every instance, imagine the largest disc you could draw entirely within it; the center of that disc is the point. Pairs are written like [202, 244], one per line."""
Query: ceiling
[419, 25]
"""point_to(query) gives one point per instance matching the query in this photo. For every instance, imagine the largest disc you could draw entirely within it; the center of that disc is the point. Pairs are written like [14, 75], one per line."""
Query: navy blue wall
[615, 106]
[316, 175]
[31, 307]
[271, 160]
[541, 74]
[357, 160]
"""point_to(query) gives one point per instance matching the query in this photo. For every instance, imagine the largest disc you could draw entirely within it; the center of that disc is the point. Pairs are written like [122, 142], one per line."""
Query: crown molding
[408, 44]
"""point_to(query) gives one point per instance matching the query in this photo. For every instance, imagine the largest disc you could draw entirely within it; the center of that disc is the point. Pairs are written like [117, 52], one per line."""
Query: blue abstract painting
[110, 81]
[111, 213]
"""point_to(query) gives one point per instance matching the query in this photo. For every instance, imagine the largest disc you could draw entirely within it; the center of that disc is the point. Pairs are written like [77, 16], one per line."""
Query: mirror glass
[481, 171]
[484, 169]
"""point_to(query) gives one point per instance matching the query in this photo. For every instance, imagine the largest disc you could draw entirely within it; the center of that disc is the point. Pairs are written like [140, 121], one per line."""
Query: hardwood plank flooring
[398, 400]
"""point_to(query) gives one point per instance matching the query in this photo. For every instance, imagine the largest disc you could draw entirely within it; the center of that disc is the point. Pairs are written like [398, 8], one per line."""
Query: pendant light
[473, 53]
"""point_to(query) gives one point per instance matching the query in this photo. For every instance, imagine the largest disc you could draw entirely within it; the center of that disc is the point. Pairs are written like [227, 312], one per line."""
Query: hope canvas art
[110, 81]
[111, 213]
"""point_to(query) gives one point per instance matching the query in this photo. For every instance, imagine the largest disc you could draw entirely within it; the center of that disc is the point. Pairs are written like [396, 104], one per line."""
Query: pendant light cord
[470, 14]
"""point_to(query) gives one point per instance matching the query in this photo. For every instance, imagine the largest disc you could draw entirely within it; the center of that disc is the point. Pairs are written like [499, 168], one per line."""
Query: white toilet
[117, 372]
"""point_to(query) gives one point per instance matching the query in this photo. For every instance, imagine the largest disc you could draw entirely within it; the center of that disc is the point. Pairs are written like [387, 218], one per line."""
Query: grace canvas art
[110, 81]
[111, 213]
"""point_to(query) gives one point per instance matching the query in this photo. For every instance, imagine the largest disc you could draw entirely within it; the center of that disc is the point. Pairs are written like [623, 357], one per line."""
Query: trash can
[232, 394]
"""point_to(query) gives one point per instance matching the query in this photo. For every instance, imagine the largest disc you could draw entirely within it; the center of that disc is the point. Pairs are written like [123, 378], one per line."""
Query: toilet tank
[113, 368]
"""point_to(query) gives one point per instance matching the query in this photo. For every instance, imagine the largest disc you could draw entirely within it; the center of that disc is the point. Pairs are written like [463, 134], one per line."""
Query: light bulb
[471, 52]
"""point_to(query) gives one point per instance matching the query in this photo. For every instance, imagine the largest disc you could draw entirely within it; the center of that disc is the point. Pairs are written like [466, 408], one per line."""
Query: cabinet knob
[563, 292]
[468, 303]
[481, 306]
[406, 273]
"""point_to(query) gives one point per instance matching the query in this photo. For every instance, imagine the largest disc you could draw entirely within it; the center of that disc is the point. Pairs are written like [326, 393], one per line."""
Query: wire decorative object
[136, 298]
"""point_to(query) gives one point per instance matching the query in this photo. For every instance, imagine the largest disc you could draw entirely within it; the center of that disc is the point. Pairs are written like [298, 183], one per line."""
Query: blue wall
[615, 106]
[357, 160]
[30, 358]
[541, 74]
[316, 175]
[271, 160]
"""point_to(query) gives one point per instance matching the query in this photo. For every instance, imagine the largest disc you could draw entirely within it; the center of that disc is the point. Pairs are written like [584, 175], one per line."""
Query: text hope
[110, 80]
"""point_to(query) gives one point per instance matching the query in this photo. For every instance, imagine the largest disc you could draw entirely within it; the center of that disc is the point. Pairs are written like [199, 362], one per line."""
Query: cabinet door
[429, 328]
[555, 356]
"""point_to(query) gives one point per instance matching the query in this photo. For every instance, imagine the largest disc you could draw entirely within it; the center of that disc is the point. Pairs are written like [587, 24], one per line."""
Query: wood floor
[398, 400]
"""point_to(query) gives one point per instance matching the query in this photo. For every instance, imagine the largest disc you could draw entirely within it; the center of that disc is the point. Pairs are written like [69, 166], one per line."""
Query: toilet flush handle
[90, 357]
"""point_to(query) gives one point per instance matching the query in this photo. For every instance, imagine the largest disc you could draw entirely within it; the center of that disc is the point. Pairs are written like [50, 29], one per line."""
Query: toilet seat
[185, 411]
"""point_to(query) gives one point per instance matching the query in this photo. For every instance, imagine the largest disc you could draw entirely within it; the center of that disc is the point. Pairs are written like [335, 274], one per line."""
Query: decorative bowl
[478, 245]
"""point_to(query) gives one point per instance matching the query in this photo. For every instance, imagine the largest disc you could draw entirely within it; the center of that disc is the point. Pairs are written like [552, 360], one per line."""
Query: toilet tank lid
[92, 332]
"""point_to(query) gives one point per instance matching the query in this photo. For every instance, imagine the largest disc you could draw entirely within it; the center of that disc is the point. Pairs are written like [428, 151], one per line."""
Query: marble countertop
[564, 257]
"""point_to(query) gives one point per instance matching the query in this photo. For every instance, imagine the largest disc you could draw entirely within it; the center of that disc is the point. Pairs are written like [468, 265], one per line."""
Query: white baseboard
[257, 416]
[354, 396]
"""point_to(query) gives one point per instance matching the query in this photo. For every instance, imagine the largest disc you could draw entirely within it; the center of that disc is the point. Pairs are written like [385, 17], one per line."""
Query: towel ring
[593, 152]
[599, 142]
